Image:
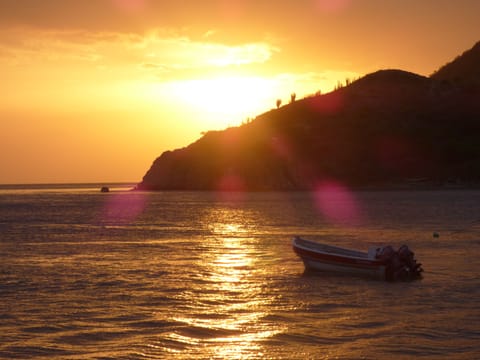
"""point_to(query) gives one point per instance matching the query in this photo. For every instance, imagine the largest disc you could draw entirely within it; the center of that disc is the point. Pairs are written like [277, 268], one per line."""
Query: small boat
[383, 263]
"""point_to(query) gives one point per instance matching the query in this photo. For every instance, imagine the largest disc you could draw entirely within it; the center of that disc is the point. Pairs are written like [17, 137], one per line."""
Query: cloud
[159, 50]
[209, 33]
[183, 52]
[149, 66]
[22, 46]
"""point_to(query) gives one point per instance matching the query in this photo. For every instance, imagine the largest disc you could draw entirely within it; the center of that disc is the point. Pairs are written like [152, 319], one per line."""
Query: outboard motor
[385, 253]
[408, 258]
[405, 253]
[401, 264]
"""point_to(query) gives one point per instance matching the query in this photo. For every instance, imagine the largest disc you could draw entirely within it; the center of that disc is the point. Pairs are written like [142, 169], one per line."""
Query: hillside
[389, 127]
[464, 71]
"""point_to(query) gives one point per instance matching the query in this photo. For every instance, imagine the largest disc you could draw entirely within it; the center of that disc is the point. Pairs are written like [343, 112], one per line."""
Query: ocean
[205, 275]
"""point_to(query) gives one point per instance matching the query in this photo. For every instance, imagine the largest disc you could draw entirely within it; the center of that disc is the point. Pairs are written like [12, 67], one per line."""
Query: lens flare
[332, 6]
[123, 207]
[231, 187]
[336, 202]
[232, 9]
[129, 5]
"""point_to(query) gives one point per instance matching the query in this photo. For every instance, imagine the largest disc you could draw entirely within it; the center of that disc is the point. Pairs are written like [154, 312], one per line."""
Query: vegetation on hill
[464, 71]
[389, 127]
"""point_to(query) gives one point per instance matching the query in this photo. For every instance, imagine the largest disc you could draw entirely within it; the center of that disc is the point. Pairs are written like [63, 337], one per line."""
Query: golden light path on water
[233, 308]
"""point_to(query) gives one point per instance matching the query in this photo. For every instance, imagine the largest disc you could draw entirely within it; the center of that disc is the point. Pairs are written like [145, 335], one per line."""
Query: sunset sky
[95, 90]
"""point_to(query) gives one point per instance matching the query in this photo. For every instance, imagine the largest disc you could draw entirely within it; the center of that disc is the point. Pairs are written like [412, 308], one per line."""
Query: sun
[227, 100]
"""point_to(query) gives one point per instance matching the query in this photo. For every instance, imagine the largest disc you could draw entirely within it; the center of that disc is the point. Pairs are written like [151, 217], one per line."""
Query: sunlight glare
[238, 320]
[230, 99]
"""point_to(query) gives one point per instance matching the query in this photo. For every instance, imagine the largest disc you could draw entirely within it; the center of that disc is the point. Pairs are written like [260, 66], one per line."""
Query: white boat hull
[377, 272]
[320, 257]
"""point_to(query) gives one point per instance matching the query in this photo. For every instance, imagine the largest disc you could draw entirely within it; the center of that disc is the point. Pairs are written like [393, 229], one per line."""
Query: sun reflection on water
[228, 309]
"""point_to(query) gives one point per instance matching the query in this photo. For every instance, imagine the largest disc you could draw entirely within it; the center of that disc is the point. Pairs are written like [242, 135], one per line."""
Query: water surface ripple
[184, 275]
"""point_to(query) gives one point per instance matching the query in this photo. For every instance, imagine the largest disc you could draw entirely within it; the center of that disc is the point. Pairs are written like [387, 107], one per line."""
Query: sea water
[204, 275]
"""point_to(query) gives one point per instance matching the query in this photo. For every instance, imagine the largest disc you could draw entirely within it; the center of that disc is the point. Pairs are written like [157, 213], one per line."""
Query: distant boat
[383, 263]
[104, 189]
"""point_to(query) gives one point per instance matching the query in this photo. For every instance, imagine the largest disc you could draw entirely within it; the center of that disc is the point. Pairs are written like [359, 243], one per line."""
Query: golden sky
[95, 90]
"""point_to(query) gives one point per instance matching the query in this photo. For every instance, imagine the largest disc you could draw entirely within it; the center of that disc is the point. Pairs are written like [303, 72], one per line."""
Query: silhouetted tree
[316, 93]
[279, 102]
[248, 120]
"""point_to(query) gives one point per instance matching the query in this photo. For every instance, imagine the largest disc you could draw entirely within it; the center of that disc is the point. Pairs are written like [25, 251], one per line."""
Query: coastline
[134, 186]
[393, 186]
